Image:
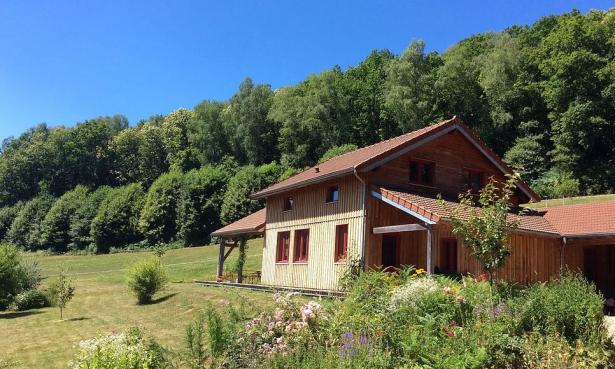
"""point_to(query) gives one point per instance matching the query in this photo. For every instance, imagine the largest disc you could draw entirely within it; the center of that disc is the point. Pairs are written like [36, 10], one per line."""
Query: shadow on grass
[161, 299]
[77, 319]
[19, 314]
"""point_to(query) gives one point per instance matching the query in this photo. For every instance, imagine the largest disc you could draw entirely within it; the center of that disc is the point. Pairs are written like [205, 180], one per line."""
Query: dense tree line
[541, 96]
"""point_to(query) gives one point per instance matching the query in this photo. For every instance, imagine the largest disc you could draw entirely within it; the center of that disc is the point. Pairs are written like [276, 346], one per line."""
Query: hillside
[544, 204]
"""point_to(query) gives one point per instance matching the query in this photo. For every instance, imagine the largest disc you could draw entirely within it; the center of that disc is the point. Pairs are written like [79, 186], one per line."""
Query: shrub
[207, 338]
[198, 211]
[30, 299]
[336, 151]
[56, 224]
[81, 221]
[145, 278]
[569, 306]
[15, 275]
[115, 223]
[127, 350]
[158, 219]
[25, 230]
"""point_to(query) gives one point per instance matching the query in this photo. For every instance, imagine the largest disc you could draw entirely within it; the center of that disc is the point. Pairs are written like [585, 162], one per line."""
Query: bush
[56, 224]
[145, 278]
[30, 299]
[15, 275]
[127, 350]
[158, 219]
[115, 223]
[198, 211]
[26, 229]
[81, 221]
[569, 306]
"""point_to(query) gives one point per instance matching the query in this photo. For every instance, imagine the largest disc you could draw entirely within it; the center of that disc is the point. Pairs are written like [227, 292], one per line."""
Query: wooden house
[379, 205]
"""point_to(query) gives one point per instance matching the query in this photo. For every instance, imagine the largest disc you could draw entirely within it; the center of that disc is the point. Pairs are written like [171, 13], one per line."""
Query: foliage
[7, 215]
[570, 307]
[55, 231]
[81, 220]
[199, 206]
[557, 184]
[486, 228]
[158, 220]
[15, 275]
[145, 278]
[26, 228]
[237, 203]
[116, 220]
[126, 350]
[207, 339]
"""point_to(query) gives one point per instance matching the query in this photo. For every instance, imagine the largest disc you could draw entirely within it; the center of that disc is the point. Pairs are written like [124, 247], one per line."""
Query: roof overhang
[336, 174]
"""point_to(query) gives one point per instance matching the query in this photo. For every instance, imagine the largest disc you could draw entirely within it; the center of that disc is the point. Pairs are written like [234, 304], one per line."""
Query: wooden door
[447, 263]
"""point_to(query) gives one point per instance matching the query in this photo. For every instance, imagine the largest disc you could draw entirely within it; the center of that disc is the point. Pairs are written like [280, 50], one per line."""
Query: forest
[542, 96]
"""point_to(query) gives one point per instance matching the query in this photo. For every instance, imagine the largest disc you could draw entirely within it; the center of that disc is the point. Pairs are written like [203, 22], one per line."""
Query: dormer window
[422, 172]
[333, 194]
[474, 180]
[289, 203]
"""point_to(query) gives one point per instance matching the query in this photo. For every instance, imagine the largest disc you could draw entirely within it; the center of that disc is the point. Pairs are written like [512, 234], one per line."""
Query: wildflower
[460, 299]
[447, 290]
[278, 315]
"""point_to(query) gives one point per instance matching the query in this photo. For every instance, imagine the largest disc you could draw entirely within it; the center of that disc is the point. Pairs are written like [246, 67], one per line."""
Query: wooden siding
[311, 212]
[452, 154]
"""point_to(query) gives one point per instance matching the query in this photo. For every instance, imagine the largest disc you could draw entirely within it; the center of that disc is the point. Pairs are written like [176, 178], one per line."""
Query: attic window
[474, 180]
[289, 203]
[422, 172]
[333, 194]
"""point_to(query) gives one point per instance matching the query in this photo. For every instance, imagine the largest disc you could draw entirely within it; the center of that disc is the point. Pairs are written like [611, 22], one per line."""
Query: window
[289, 202]
[448, 256]
[302, 242]
[422, 172]
[474, 180]
[283, 247]
[333, 194]
[341, 242]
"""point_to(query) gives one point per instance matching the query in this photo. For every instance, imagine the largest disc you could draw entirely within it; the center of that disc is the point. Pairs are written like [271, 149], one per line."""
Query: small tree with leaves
[62, 291]
[483, 224]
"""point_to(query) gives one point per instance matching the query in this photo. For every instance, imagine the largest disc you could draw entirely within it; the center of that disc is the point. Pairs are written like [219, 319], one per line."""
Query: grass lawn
[102, 303]
[570, 201]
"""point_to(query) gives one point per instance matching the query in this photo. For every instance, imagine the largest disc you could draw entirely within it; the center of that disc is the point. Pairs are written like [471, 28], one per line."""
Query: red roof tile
[349, 162]
[251, 224]
[583, 219]
[431, 208]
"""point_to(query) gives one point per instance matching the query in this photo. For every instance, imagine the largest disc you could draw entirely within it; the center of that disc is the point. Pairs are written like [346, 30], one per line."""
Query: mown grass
[570, 201]
[103, 303]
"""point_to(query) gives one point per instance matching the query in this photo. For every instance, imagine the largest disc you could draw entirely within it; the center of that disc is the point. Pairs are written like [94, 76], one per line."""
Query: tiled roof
[358, 159]
[432, 209]
[346, 163]
[249, 225]
[583, 219]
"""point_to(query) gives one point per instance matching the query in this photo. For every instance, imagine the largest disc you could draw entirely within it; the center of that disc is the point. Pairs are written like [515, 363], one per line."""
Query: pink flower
[278, 315]
[460, 299]
[447, 290]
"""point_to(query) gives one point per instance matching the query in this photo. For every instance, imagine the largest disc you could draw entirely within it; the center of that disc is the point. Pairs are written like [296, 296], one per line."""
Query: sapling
[62, 291]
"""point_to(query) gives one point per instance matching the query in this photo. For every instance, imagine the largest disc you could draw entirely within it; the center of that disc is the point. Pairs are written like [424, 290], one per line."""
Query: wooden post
[429, 263]
[242, 259]
[220, 260]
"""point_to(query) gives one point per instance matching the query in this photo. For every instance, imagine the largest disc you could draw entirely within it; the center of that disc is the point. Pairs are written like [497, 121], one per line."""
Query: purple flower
[348, 336]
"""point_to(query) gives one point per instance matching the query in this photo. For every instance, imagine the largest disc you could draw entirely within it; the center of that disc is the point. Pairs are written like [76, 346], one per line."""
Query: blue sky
[66, 61]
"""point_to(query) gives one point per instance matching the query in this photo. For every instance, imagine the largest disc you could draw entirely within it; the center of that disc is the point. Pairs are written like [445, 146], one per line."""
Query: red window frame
[341, 242]
[302, 245]
[289, 203]
[283, 247]
[331, 190]
[470, 176]
[416, 172]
